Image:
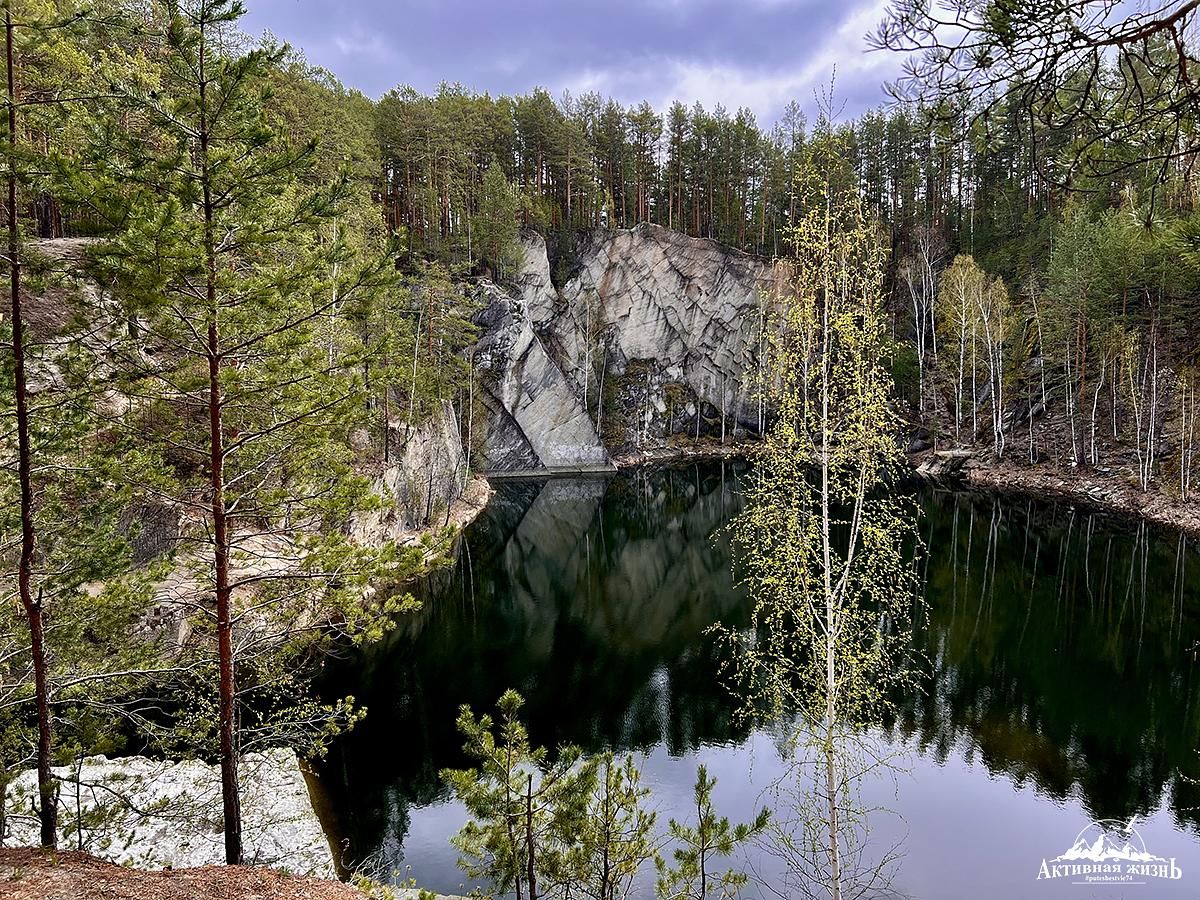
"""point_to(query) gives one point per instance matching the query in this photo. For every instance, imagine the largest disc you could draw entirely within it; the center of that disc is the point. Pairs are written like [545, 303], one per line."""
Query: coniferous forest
[1089, 221]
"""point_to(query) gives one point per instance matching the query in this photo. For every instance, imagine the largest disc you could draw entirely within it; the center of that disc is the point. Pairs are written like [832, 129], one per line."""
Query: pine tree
[617, 838]
[30, 596]
[700, 845]
[527, 809]
[59, 506]
[495, 225]
[230, 267]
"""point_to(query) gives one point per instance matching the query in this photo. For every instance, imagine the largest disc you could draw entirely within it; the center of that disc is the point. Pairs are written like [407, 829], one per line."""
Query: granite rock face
[425, 473]
[536, 419]
[154, 814]
[653, 335]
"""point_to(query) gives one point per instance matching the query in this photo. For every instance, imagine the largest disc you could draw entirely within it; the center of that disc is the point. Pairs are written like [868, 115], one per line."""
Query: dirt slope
[27, 874]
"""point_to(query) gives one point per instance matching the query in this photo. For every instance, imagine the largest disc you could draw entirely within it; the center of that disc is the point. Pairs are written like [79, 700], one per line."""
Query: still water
[1061, 682]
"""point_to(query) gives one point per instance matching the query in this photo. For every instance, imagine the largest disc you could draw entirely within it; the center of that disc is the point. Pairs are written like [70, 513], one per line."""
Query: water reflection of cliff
[1058, 646]
[590, 596]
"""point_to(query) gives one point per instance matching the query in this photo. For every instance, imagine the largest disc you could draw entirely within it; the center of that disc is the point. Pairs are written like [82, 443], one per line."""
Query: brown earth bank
[30, 874]
[1104, 488]
[1102, 491]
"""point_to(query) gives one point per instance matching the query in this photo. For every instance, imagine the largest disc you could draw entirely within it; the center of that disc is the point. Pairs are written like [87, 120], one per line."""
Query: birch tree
[959, 301]
[994, 318]
[1189, 416]
[821, 545]
[918, 273]
[1147, 387]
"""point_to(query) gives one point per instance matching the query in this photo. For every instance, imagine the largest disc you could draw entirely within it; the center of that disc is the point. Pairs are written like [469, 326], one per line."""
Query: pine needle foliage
[691, 875]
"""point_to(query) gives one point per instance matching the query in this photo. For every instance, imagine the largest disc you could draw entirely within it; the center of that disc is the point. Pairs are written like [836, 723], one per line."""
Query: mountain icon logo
[1107, 840]
[1109, 851]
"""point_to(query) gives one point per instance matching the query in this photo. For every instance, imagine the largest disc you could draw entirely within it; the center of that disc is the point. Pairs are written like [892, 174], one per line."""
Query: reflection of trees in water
[1058, 648]
[1058, 645]
[591, 597]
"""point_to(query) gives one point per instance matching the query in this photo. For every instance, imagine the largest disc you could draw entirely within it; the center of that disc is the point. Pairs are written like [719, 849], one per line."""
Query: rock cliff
[425, 473]
[536, 418]
[649, 336]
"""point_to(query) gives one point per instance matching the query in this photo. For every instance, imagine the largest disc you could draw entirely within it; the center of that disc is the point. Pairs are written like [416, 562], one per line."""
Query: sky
[754, 53]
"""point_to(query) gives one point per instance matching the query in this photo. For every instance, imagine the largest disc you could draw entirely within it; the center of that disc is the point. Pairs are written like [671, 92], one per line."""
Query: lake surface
[1061, 684]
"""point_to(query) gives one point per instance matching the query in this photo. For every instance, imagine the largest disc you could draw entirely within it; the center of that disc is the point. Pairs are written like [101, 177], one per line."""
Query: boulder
[155, 814]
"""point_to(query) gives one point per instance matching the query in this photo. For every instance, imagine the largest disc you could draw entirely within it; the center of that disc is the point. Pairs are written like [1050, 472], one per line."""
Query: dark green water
[1061, 686]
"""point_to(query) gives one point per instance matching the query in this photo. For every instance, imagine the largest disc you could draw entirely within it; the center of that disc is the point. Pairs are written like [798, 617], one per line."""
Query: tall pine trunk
[230, 798]
[34, 611]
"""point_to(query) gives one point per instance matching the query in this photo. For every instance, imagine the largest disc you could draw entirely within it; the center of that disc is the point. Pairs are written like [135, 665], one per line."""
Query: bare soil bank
[29, 874]
[1106, 488]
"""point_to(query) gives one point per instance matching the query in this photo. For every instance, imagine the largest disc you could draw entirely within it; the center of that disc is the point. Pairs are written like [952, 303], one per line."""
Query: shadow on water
[1059, 647]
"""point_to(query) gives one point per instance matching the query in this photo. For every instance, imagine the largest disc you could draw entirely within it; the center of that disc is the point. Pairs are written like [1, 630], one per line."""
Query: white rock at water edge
[156, 814]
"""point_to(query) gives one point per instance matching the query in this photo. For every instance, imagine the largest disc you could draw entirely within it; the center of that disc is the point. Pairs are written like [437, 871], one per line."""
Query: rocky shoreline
[1102, 489]
[701, 452]
[461, 513]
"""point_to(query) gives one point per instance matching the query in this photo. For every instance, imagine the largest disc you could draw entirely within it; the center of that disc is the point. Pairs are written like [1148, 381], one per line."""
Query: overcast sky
[755, 53]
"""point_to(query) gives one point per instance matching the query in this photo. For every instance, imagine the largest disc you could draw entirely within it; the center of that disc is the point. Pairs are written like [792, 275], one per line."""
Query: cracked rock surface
[656, 331]
[536, 420]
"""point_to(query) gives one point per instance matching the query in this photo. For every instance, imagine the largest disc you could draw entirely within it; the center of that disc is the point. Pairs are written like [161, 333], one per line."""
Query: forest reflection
[1059, 646]
[1062, 650]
